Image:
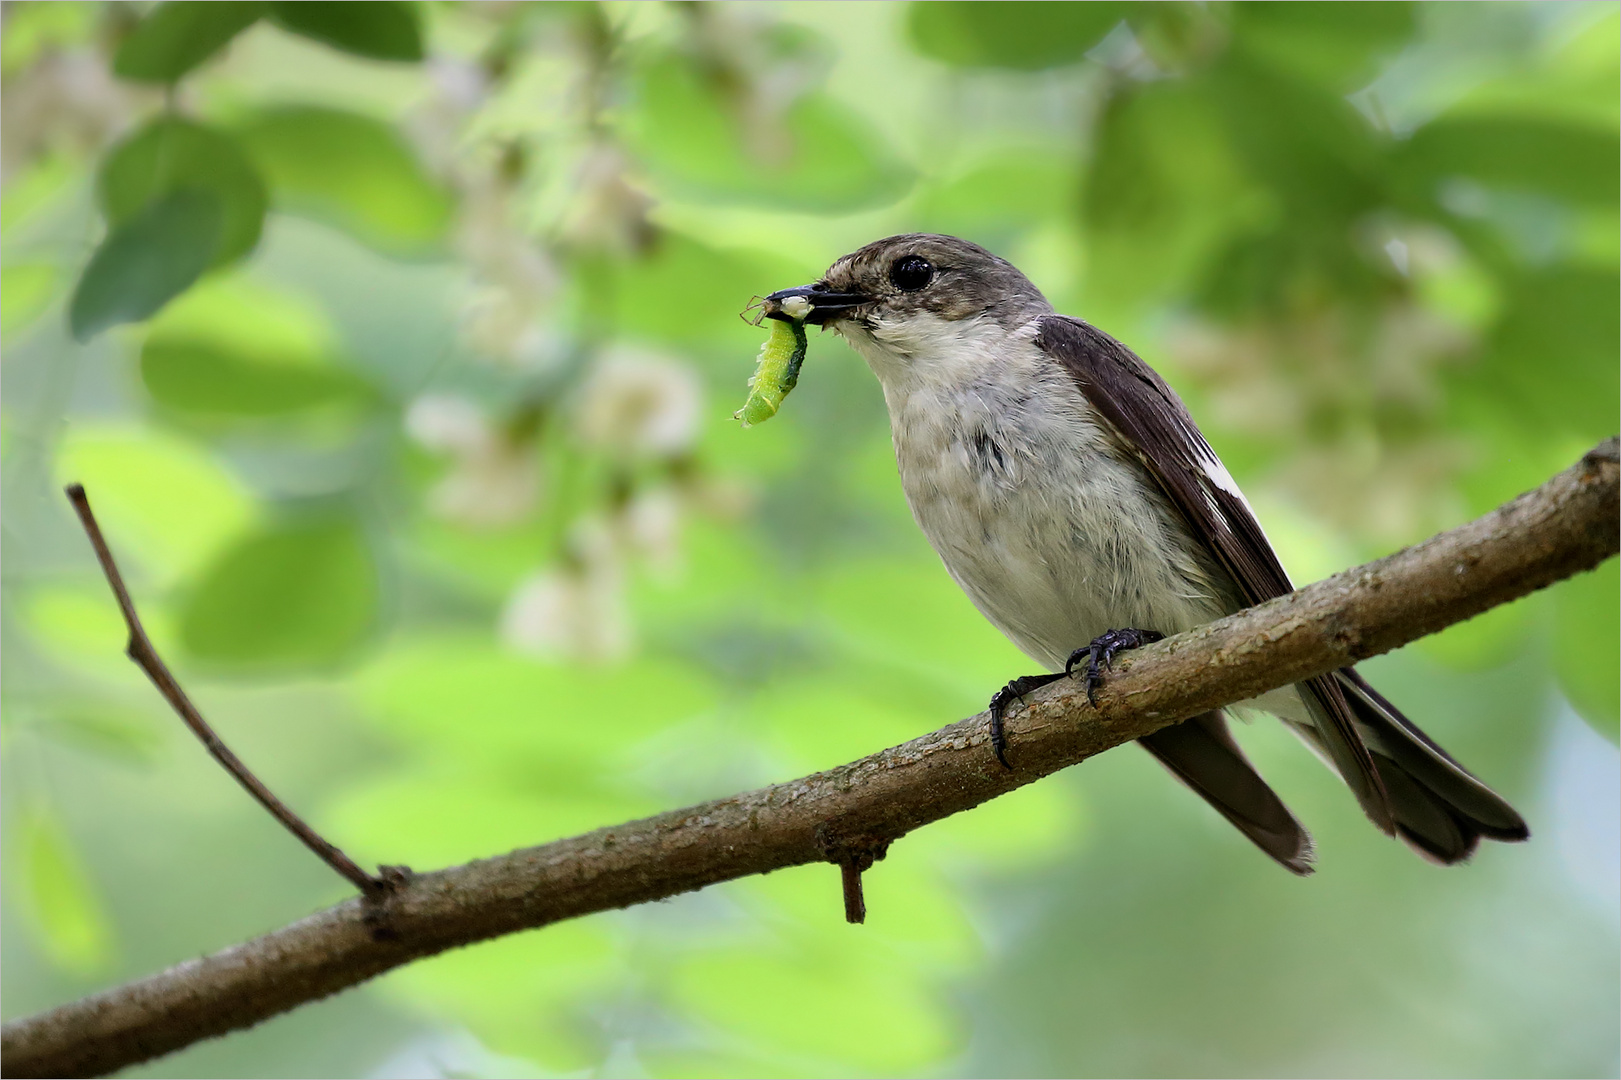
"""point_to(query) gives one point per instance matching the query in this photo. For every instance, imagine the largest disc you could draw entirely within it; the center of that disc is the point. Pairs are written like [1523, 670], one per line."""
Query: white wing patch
[1216, 473]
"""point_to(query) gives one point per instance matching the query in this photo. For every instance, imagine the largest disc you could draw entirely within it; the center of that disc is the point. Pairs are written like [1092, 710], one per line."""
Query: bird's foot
[1102, 651]
[1013, 691]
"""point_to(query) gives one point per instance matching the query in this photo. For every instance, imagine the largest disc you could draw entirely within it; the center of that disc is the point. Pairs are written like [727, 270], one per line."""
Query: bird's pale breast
[1052, 532]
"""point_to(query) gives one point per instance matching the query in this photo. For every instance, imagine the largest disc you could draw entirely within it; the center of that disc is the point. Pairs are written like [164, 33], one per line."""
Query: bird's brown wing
[1152, 423]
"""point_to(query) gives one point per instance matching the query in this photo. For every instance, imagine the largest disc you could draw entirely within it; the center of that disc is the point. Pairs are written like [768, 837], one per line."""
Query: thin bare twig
[141, 650]
[855, 900]
[1568, 525]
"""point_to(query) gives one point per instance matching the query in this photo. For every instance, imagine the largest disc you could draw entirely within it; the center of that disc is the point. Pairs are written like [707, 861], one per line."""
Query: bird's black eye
[911, 273]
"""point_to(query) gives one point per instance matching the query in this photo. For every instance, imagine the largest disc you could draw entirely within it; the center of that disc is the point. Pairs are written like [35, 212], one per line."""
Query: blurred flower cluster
[545, 191]
[1333, 384]
[395, 343]
[57, 94]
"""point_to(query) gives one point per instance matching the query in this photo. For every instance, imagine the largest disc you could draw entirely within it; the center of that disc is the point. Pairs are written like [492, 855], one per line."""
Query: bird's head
[913, 299]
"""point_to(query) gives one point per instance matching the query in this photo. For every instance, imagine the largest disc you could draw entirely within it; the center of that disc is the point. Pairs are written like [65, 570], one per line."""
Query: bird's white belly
[1053, 536]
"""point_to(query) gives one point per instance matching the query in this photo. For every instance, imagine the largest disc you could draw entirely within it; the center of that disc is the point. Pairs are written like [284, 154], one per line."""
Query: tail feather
[1202, 754]
[1424, 821]
[1437, 806]
[1440, 809]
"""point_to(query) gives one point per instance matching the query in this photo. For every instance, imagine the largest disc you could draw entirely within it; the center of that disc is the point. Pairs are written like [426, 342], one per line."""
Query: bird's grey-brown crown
[915, 273]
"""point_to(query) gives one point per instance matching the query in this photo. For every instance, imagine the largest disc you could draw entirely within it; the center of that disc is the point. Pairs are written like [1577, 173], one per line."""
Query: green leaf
[379, 29]
[33, 29]
[1310, 146]
[913, 616]
[1034, 822]
[170, 154]
[1550, 364]
[62, 904]
[829, 1004]
[37, 187]
[1570, 161]
[1013, 34]
[1163, 189]
[301, 593]
[205, 377]
[175, 37]
[1573, 76]
[72, 623]
[147, 261]
[685, 290]
[1319, 168]
[529, 710]
[1340, 45]
[353, 171]
[243, 311]
[235, 347]
[169, 502]
[443, 813]
[1587, 640]
[105, 730]
[26, 288]
[527, 994]
[818, 156]
[1002, 196]
[816, 723]
[1489, 640]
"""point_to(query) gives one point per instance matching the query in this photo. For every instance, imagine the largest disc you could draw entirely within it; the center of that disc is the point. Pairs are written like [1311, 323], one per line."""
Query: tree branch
[141, 650]
[1568, 525]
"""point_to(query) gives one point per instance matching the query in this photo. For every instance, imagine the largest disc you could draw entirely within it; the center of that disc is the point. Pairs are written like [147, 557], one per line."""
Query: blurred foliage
[396, 345]
[61, 902]
[353, 170]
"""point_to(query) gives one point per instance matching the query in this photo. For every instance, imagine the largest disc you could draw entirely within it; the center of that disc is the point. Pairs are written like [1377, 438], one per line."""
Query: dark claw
[1103, 648]
[999, 703]
[1013, 691]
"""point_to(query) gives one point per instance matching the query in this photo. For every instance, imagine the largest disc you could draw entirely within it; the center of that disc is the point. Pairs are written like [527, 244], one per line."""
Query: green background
[397, 345]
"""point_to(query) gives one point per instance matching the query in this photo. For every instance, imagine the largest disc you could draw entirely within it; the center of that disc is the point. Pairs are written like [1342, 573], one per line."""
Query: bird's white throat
[923, 350]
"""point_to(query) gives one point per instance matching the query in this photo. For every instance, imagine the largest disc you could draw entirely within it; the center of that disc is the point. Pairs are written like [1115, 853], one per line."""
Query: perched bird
[1071, 496]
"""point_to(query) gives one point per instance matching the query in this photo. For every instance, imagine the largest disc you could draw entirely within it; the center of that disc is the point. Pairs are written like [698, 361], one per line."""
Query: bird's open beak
[825, 304]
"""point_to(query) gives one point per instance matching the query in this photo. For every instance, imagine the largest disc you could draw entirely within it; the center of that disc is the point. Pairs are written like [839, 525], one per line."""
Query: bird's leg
[1013, 691]
[1103, 648]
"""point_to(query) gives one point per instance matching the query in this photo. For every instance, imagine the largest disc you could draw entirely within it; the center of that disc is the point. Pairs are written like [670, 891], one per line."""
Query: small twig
[852, 866]
[141, 651]
[855, 904]
[854, 856]
[1568, 525]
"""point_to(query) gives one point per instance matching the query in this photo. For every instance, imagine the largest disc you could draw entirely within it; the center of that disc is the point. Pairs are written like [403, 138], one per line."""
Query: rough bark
[853, 812]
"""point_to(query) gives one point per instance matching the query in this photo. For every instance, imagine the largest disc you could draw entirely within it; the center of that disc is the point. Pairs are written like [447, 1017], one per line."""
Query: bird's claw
[1012, 692]
[1101, 652]
[999, 703]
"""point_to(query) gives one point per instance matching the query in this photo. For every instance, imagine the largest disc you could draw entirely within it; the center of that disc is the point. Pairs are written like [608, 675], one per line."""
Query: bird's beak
[825, 304]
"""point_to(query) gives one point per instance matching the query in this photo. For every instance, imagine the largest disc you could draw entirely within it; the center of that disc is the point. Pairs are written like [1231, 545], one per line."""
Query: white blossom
[494, 481]
[635, 403]
[447, 422]
[514, 279]
[652, 529]
[605, 211]
[577, 612]
[65, 100]
[436, 126]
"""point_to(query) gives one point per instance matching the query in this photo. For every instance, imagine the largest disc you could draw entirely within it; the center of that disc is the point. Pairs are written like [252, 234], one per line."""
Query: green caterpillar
[776, 373]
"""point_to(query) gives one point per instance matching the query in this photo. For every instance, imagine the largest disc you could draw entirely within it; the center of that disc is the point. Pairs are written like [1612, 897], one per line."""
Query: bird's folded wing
[1153, 425]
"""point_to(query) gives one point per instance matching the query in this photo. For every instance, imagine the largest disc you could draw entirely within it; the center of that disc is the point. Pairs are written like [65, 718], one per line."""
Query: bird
[1068, 491]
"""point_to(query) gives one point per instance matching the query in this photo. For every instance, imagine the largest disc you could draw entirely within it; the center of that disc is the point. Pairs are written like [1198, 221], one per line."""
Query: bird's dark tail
[1202, 754]
[1441, 810]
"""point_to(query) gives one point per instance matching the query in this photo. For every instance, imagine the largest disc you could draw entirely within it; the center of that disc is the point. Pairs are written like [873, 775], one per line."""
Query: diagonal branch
[141, 650]
[1568, 525]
